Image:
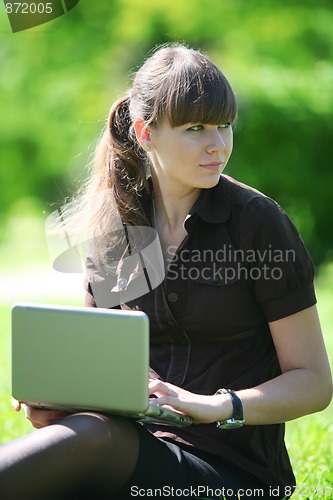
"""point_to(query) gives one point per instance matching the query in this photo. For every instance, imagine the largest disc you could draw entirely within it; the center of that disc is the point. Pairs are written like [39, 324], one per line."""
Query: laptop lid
[80, 358]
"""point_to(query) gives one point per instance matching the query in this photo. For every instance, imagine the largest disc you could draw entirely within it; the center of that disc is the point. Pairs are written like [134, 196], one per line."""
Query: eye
[196, 128]
[225, 125]
[199, 127]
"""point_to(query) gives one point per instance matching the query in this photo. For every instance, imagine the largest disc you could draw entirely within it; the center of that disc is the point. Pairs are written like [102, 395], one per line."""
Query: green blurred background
[58, 81]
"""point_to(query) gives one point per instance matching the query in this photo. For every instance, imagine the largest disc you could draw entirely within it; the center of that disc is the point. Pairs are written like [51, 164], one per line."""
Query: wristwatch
[237, 419]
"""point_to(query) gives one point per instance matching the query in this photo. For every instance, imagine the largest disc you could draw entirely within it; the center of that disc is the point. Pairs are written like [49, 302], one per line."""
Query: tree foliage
[58, 81]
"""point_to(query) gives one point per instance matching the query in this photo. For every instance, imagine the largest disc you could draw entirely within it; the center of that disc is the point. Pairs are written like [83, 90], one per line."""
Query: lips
[215, 165]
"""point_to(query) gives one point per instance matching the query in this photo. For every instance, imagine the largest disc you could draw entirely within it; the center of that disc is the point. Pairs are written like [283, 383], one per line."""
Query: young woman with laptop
[235, 338]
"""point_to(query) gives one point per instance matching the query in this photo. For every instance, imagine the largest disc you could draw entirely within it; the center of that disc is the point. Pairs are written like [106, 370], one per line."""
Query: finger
[42, 418]
[42, 415]
[16, 404]
[44, 423]
[153, 384]
[173, 403]
[37, 426]
[161, 388]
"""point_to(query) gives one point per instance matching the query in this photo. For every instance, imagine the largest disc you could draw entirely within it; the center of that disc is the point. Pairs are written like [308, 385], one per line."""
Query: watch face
[231, 423]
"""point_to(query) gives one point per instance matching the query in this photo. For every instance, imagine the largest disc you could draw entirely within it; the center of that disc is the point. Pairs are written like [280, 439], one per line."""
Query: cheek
[229, 144]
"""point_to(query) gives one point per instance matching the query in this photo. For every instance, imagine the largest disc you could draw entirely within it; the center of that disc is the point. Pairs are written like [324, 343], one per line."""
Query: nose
[216, 142]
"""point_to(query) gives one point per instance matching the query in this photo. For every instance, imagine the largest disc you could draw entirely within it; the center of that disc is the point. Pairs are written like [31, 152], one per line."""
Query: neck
[173, 205]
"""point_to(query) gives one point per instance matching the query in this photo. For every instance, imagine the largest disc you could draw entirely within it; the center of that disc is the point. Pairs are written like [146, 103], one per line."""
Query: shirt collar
[214, 204]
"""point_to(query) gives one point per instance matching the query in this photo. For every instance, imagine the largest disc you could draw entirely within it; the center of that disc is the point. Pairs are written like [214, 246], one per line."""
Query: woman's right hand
[38, 418]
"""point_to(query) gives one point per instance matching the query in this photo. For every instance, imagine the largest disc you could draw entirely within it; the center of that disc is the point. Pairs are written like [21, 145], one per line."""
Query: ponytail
[127, 164]
[115, 187]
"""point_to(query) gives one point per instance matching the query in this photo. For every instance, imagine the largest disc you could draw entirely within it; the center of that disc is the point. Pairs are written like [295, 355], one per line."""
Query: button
[214, 279]
[172, 297]
[122, 284]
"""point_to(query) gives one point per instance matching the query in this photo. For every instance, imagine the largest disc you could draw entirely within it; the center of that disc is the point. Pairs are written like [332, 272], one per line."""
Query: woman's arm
[305, 385]
[38, 418]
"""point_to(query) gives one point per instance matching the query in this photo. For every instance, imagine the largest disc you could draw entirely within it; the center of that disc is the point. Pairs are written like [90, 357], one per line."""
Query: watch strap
[237, 419]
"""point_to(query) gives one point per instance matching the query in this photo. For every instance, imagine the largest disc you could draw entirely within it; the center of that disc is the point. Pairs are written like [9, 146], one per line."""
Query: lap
[161, 468]
[168, 470]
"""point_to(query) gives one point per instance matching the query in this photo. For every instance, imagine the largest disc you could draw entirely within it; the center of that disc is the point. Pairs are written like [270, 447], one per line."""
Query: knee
[93, 432]
[100, 439]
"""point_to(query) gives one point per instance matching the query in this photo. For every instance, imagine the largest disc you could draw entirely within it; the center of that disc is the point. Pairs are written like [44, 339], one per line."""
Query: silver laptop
[84, 359]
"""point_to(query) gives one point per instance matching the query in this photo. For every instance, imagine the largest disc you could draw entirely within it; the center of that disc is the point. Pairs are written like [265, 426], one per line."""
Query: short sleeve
[280, 267]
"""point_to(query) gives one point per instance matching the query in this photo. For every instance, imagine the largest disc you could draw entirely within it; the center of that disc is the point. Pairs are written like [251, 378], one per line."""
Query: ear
[142, 133]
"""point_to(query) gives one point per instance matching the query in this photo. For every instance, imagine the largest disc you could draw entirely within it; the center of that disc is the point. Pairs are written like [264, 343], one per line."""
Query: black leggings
[92, 457]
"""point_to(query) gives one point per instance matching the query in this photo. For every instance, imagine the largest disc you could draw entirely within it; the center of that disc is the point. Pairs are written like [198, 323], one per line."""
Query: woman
[235, 337]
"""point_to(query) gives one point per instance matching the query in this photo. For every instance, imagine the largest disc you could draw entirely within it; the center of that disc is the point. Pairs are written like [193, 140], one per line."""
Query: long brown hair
[177, 83]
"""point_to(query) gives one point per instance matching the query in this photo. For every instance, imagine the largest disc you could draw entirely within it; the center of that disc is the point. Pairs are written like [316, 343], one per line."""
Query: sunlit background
[57, 82]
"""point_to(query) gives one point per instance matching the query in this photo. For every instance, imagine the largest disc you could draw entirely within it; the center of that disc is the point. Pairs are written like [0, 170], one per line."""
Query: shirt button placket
[172, 297]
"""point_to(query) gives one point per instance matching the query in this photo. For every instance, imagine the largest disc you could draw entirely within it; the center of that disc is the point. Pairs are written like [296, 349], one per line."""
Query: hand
[16, 404]
[203, 409]
[38, 418]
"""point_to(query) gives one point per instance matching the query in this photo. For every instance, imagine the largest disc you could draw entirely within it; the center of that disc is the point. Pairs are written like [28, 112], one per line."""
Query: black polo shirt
[241, 265]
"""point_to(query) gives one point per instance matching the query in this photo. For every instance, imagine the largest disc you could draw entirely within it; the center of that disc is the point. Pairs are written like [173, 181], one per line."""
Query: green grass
[309, 439]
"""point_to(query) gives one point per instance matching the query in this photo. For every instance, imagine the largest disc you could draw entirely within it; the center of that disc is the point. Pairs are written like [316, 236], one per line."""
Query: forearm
[291, 395]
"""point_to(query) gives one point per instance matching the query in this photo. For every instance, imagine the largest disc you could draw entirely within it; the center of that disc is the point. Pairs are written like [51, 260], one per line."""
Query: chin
[210, 182]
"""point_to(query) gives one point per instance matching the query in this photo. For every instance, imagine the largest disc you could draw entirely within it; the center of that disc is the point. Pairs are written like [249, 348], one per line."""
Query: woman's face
[192, 155]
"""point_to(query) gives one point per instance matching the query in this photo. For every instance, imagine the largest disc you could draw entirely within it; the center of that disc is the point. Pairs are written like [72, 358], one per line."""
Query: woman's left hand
[203, 409]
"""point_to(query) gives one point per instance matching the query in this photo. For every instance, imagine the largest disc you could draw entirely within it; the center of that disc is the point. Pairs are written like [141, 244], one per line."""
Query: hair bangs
[201, 95]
